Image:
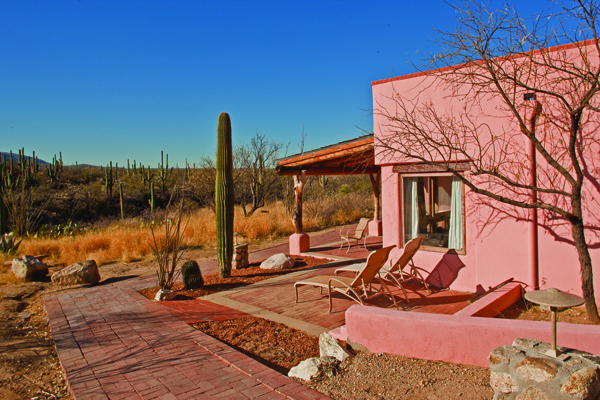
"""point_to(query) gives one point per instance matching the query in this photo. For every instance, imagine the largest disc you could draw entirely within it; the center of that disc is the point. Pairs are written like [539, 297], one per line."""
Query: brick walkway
[113, 343]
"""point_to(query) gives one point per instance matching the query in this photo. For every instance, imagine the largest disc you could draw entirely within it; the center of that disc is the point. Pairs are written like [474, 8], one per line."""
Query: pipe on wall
[533, 214]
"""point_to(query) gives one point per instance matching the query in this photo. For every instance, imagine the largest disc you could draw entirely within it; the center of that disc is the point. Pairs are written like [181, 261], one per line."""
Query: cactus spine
[224, 196]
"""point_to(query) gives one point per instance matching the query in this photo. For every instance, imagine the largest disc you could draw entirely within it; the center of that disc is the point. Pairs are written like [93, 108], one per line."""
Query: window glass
[433, 207]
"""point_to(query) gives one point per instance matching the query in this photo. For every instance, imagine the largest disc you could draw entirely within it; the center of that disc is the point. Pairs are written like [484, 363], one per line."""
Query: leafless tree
[491, 64]
[257, 162]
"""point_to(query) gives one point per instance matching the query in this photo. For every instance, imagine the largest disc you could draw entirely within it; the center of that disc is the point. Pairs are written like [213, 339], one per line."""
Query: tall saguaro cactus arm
[224, 196]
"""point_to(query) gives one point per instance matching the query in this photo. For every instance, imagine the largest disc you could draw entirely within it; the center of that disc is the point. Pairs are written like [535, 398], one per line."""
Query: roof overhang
[352, 157]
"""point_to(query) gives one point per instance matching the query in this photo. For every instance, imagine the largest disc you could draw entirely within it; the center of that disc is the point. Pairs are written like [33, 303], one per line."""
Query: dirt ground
[365, 376]
[29, 367]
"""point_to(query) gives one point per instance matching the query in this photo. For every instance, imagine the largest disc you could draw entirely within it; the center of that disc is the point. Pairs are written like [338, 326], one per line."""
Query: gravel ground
[365, 376]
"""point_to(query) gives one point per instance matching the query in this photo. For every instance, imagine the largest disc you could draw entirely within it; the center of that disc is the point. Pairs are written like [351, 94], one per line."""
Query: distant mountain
[6, 157]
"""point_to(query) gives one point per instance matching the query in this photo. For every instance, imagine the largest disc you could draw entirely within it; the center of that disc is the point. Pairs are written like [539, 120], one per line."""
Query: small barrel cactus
[192, 277]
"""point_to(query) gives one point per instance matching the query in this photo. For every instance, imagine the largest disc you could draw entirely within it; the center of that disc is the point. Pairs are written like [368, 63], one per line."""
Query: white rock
[28, 268]
[80, 273]
[329, 346]
[306, 370]
[163, 295]
[278, 261]
[313, 367]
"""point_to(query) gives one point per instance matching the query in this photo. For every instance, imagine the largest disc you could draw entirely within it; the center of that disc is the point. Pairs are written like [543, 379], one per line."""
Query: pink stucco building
[474, 244]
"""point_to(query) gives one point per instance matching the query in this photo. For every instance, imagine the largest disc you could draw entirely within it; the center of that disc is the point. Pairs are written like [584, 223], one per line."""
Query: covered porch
[351, 157]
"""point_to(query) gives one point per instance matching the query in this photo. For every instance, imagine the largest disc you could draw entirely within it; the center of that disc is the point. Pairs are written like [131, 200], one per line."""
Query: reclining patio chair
[358, 288]
[406, 259]
[358, 234]
[389, 273]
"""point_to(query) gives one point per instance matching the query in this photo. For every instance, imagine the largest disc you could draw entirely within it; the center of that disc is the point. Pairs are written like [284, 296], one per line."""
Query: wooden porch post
[299, 241]
[375, 226]
[299, 181]
[375, 180]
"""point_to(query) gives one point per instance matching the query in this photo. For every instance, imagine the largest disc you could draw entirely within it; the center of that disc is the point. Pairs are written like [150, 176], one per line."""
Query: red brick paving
[198, 310]
[313, 307]
[114, 343]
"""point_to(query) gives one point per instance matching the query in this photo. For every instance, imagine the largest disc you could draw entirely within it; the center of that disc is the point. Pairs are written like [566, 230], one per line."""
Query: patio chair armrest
[412, 267]
[348, 230]
[339, 281]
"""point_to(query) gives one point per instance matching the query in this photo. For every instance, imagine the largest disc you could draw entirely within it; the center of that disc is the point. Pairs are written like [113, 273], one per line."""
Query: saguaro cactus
[3, 210]
[163, 173]
[224, 196]
[109, 181]
[151, 200]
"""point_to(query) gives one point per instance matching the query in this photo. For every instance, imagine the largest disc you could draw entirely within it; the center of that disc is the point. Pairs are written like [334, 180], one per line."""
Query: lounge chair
[358, 234]
[397, 267]
[350, 287]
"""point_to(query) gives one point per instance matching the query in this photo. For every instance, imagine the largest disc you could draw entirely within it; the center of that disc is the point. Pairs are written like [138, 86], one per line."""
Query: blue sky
[106, 81]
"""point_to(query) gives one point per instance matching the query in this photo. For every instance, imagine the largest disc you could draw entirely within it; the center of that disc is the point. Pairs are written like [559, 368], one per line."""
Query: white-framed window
[433, 205]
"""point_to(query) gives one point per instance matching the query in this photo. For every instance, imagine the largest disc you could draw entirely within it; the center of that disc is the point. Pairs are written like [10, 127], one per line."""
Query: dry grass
[130, 241]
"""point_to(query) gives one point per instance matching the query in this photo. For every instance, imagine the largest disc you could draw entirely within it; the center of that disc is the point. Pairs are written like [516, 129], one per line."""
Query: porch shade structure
[351, 157]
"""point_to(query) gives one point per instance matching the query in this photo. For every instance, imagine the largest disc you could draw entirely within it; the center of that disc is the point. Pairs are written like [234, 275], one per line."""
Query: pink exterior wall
[453, 338]
[495, 250]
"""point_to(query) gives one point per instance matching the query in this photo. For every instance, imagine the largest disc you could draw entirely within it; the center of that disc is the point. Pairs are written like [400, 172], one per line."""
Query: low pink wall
[375, 228]
[299, 243]
[494, 302]
[454, 338]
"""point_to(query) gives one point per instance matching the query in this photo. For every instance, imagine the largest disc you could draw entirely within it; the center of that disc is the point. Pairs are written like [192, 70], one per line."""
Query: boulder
[80, 273]
[278, 261]
[329, 347]
[314, 367]
[28, 268]
[163, 295]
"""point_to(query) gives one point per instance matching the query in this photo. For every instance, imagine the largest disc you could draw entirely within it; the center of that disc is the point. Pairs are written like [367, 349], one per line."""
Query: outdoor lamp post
[554, 299]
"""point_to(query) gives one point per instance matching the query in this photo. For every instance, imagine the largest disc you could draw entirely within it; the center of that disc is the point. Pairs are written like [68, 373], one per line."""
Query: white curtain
[455, 237]
[411, 208]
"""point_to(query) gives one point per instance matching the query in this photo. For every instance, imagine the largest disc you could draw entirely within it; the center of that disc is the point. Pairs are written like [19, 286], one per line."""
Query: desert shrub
[112, 240]
[9, 244]
[192, 277]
